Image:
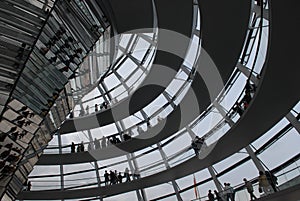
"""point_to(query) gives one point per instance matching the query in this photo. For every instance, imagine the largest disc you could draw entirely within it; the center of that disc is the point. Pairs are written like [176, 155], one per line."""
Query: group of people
[98, 144]
[215, 196]
[106, 141]
[64, 47]
[241, 106]
[21, 121]
[227, 194]
[113, 177]
[11, 152]
[197, 144]
[266, 184]
[103, 105]
[9, 158]
[86, 111]
[15, 134]
[80, 147]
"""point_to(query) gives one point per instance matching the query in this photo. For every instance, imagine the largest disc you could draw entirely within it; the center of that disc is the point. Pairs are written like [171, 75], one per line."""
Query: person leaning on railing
[264, 185]
[250, 189]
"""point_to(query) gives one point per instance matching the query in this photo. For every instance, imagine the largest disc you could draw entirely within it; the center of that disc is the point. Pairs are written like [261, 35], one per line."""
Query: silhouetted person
[16, 149]
[89, 146]
[217, 195]
[27, 113]
[194, 146]
[28, 186]
[210, 196]
[126, 175]
[18, 118]
[96, 143]
[82, 147]
[197, 144]
[250, 190]
[81, 113]
[113, 140]
[263, 183]
[113, 178]
[72, 147]
[14, 136]
[4, 154]
[226, 192]
[117, 140]
[120, 177]
[21, 123]
[148, 122]
[103, 142]
[231, 192]
[251, 88]
[106, 178]
[78, 148]
[23, 108]
[246, 99]
[9, 146]
[272, 179]
[117, 178]
[12, 158]
[22, 134]
[2, 137]
[104, 105]
[126, 137]
[87, 109]
[238, 109]
[13, 129]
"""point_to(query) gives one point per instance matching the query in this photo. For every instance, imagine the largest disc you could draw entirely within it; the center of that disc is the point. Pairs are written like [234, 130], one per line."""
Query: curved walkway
[265, 110]
[179, 118]
[223, 36]
[197, 95]
[292, 193]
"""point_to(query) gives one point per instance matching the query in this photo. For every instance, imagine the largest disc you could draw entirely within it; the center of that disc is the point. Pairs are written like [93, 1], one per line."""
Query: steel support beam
[294, 121]
[174, 184]
[247, 73]
[255, 159]
[215, 179]
[223, 113]
[141, 195]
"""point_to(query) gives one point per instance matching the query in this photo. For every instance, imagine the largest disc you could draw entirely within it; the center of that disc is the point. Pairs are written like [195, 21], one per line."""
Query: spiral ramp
[223, 32]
